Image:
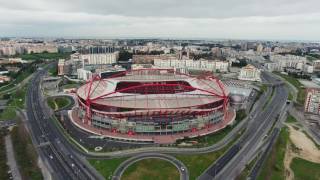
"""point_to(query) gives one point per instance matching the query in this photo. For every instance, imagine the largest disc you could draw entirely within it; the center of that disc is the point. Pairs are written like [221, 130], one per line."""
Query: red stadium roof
[153, 89]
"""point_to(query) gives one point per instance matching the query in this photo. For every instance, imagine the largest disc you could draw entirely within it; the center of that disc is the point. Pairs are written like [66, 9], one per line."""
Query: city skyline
[249, 19]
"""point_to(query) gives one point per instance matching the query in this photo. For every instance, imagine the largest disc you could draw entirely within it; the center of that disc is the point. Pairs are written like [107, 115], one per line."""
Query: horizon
[248, 19]
[161, 38]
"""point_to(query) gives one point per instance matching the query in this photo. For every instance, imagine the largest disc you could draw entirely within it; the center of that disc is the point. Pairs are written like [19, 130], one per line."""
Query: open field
[17, 99]
[106, 167]
[58, 102]
[151, 169]
[25, 153]
[301, 152]
[291, 119]
[305, 170]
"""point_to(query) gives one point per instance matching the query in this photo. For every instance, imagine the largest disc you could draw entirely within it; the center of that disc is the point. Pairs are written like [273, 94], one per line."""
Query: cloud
[252, 19]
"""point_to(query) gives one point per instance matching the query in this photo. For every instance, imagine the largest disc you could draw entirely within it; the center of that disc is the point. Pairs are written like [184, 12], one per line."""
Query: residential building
[61, 67]
[250, 73]
[202, 65]
[312, 103]
[316, 65]
[280, 62]
[308, 68]
[105, 58]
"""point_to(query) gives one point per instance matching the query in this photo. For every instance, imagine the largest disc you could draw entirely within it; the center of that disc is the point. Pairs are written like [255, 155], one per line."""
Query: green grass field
[290, 96]
[291, 119]
[151, 169]
[56, 103]
[305, 170]
[8, 113]
[44, 56]
[196, 164]
[25, 153]
[53, 71]
[273, 167]
[263, 87]
[17, 99]
[106, 167]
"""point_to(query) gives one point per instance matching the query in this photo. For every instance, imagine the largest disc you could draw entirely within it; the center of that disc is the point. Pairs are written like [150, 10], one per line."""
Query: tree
[125, 55]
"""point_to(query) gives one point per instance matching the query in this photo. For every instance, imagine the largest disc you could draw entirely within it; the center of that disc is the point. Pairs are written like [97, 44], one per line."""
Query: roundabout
[183, 171]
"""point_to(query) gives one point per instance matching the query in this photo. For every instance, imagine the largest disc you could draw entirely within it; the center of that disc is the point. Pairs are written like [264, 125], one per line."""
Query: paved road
[184, 174]
[270, 142]
[54, 150]
[234, 160]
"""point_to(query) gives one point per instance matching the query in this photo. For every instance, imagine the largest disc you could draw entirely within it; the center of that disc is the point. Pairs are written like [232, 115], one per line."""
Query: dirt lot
[302, 147]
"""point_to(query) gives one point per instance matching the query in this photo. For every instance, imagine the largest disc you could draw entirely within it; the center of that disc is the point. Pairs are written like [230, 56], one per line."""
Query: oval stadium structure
[152, 105]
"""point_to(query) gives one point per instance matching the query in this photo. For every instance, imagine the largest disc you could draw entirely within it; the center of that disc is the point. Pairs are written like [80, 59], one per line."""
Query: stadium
[152, 105]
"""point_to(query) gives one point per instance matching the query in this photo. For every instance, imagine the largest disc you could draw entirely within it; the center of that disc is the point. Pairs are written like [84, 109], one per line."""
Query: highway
[184, 174]
[53, 150]
[234, 160]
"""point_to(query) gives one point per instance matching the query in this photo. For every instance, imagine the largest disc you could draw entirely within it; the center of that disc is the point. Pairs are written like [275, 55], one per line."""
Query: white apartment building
[312, 103]
[316, 65]
[84, 74]
[308, 68]
[106, 58]
[249, 73]
[287, 61]
[41, 48]
[8, 50]
[190, 64]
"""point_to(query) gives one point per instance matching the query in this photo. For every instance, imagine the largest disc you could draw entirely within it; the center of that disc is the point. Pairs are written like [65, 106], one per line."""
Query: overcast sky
[227, 19]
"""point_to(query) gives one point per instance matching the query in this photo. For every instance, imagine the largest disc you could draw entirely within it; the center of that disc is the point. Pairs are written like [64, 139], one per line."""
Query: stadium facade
[152, 105]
